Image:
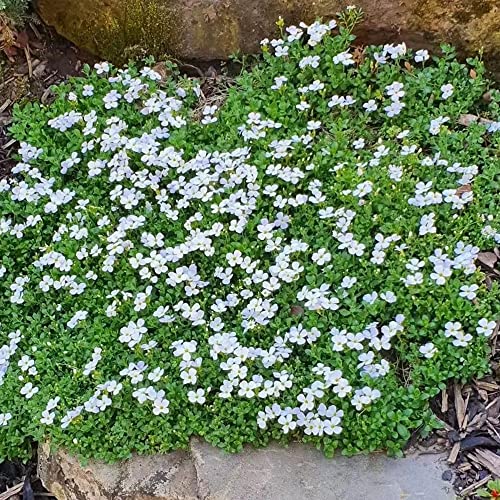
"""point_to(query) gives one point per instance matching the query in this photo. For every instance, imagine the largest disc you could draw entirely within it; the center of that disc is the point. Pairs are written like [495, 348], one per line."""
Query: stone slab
[300, 472]
[171, 476]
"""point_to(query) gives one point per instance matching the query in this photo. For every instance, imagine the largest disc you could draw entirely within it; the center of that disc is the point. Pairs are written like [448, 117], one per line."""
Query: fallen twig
[11, 492]
[28, 60]
[475, 486]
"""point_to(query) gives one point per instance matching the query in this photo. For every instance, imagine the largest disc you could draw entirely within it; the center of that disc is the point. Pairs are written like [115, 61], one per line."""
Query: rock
[171, 476]
[214, 29]
[272, 473]
[447, 475]
[299, 472]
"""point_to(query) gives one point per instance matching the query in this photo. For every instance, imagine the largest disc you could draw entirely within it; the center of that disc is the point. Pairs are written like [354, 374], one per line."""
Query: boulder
[214, 29]
[273, 473]
[165, 477]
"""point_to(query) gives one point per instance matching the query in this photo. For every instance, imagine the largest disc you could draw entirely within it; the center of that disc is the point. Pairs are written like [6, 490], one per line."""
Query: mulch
[472, 412]
[470, 417]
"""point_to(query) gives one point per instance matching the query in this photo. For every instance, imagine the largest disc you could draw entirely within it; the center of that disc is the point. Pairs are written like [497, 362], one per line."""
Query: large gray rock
[171, 476]
[214, 29]
[301, 472]
[273, 473]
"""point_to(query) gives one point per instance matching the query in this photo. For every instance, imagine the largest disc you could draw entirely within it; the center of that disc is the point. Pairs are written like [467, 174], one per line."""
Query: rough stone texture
[273, 473]
[302, 472]
[171, 476]
[213, 29]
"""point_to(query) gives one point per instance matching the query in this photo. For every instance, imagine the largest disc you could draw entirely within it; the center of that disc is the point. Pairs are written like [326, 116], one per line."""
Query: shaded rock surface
[171, 476]
[214, 29]
[273, 473]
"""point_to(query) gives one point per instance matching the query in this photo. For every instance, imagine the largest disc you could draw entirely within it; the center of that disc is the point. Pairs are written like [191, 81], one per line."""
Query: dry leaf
[11, 52]
[296, 311]
[358, 55]
[472, 74]
[487, 96]
[459, 405]
[489, 460]
[466, 188]
[467, 119]
[489, 259]
[408, 66]
[162, 70]
[22, 40]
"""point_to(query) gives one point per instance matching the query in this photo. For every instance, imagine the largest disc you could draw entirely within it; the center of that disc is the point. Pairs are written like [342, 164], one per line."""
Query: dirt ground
[38, 59]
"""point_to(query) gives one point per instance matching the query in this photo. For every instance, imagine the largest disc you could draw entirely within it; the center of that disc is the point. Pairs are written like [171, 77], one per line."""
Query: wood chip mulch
[470, 415]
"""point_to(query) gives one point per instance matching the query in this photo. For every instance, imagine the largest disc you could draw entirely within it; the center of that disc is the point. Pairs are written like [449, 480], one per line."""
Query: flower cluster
[298, 262]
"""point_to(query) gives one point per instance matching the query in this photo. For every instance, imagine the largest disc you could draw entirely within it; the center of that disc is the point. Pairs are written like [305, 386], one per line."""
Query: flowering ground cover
[296, 262]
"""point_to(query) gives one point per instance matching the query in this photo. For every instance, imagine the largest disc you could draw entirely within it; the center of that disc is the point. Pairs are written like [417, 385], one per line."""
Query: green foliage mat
[293, 259]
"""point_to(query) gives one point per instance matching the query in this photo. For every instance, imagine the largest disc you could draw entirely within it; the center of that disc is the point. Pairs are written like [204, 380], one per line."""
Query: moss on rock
[212, 29]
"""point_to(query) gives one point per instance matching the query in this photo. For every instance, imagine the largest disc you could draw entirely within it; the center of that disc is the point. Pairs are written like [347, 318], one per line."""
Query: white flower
[88, 90]
[421, 55]
[370, 106]
[321, 257]
[486, 327]
[389, 297]
[370, 298]
[428, 350]
[28, 390]
[47, 417]
[156, 374]
[435, 125]
[344, 58]
[102, 68]
[468, 291]
[446, 90]
[279, 81]
[312, 61]
[25, 363]
[161, 405]
[287, 423]
[197, 396]
[348, 282]
[4, 419]
[132, 333]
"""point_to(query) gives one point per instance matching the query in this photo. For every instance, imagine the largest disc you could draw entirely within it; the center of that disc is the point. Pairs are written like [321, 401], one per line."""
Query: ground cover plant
[13, 9]
[297, 261]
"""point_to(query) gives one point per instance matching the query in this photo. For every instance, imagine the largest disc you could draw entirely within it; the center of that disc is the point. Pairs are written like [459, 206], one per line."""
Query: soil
[39, 59]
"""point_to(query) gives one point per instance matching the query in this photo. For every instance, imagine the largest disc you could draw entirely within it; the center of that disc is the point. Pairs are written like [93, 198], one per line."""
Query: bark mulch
[470, 416]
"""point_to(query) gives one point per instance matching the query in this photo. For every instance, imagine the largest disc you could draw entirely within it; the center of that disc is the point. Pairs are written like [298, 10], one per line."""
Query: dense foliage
[13, 9]
[296, 262]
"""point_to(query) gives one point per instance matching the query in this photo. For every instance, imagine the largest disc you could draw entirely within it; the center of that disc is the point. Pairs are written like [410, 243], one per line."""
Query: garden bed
[296, 257]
